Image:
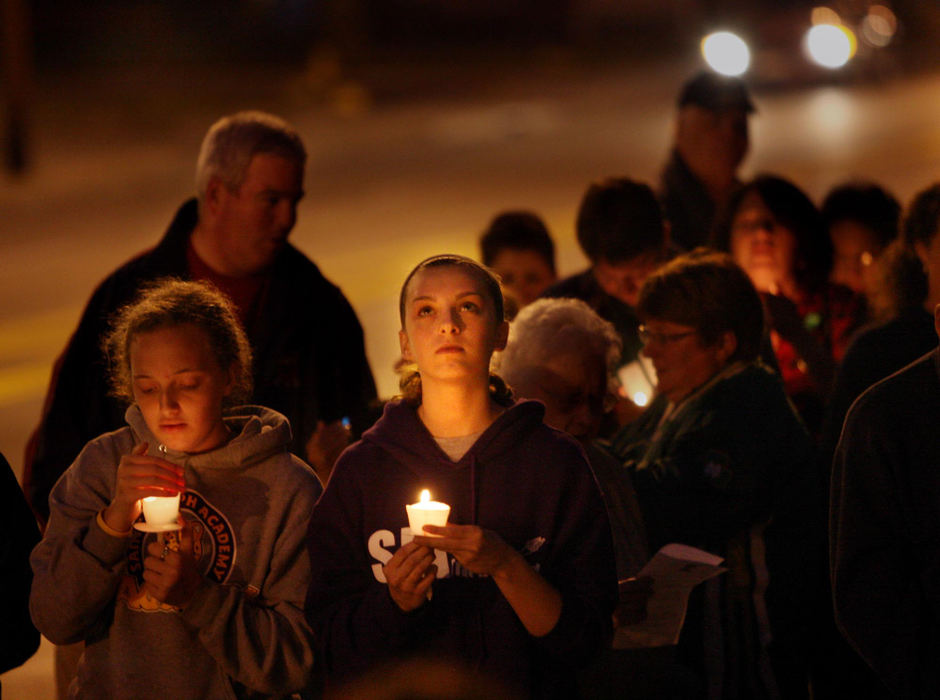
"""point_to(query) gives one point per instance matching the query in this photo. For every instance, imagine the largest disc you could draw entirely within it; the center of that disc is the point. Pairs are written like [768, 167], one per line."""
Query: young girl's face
[179, 387]
[451, 329]
[525, 273]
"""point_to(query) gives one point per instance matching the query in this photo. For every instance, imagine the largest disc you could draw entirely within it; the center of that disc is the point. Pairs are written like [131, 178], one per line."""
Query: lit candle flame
[425, 496]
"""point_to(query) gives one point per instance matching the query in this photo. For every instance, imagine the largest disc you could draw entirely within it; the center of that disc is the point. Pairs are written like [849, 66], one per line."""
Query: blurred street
[402, 165]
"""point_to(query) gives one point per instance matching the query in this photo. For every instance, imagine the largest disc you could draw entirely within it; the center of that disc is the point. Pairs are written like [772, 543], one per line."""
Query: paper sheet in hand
[675, 569]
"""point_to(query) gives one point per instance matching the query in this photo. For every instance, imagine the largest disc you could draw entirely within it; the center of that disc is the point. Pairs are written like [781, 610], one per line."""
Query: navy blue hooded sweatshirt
[521, 479]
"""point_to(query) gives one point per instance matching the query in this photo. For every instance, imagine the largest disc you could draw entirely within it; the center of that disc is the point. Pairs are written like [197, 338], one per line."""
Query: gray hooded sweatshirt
[243, 634]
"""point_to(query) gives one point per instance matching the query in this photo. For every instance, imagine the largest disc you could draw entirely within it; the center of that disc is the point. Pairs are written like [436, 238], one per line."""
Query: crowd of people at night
[738, 370]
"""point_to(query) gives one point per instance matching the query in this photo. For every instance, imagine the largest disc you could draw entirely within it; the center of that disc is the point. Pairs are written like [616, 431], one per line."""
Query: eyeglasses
[647, 336]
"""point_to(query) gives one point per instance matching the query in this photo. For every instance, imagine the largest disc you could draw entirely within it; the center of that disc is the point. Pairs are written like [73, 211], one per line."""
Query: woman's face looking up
[450, 328]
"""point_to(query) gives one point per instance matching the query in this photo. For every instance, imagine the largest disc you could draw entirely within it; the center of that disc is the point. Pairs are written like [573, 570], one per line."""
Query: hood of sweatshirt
[401, 433]
[259, 433]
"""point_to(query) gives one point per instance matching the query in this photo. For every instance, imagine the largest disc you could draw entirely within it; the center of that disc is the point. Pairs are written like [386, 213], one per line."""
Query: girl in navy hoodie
[520, 584]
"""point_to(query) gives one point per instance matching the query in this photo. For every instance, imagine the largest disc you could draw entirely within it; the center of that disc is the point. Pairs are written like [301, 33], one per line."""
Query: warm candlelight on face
[426, 512]
[161, 510]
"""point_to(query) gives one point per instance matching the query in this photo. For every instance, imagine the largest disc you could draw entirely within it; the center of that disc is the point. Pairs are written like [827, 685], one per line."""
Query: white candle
[637, 380]
[161, 510]
[426, 512]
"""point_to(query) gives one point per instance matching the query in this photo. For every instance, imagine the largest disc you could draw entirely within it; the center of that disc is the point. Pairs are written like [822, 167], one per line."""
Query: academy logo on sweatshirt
[218, 537]
[213, 548]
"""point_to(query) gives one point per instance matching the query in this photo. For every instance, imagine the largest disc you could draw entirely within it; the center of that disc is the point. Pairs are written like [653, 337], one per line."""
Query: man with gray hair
[310, 361]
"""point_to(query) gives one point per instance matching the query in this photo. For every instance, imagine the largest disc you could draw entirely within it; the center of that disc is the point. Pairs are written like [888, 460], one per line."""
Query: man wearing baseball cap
[710, 143]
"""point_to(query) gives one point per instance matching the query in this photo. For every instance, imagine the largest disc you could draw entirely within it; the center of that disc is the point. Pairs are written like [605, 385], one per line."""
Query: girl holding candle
[521, 583]
[222, 615]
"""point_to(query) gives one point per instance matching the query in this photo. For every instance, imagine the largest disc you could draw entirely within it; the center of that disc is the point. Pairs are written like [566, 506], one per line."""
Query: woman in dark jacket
[721, 462]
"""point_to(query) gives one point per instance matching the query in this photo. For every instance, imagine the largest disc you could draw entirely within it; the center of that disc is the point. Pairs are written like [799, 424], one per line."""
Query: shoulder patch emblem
[717, 468]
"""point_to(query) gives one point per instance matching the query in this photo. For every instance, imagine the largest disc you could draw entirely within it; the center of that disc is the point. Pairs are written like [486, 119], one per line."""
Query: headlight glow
[726, 53]
[879, 25]
[824, 15]
[830, 46]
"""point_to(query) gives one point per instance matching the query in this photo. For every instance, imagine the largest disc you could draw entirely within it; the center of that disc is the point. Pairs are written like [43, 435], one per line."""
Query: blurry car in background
[801, 42]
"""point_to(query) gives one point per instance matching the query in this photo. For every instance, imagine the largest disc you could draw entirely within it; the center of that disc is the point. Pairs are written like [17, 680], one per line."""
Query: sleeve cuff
[99, 541]
[390, 620]
[108, 530]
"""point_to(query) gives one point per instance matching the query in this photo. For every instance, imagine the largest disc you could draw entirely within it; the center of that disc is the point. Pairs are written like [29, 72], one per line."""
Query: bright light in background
[824, 15]
[879, 25]
[640, 399]
[832, 118]
[726, 53]
[829, 45]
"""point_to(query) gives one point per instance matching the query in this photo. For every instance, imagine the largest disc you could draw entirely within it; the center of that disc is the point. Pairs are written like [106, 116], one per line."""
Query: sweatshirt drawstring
[478, 618]
[473, 488]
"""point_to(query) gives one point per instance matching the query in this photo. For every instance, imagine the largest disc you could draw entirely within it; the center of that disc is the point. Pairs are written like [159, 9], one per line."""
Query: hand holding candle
[171, 569]
[411, 570]
[161, 511]
[140, 475]
[426, 512]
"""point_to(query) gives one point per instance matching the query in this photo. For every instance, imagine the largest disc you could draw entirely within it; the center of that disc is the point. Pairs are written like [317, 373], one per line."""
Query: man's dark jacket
[687, 204]
[309, 357]
[884, 529]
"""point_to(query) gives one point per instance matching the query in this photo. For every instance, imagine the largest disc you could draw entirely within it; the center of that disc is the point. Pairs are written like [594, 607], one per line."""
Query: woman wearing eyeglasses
[720, 461]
